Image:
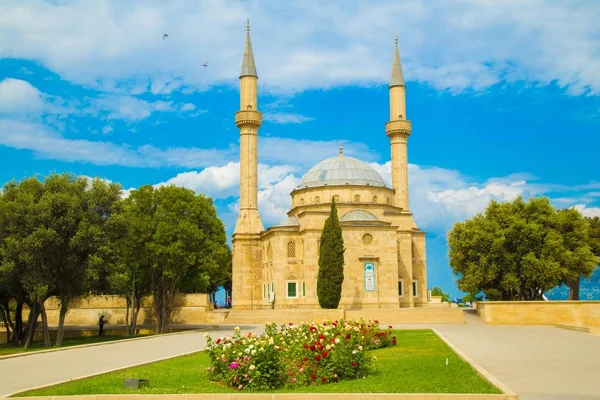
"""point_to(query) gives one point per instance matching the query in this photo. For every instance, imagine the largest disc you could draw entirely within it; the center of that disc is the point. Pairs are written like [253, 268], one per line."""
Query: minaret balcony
[398, 127]
[248, 118]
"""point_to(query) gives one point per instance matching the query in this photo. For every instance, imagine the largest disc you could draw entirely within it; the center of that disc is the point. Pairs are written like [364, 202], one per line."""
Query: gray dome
[291, 221]
[341, 170]
[358, 215]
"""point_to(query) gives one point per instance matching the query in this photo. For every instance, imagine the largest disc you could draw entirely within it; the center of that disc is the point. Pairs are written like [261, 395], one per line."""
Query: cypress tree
[331, 262]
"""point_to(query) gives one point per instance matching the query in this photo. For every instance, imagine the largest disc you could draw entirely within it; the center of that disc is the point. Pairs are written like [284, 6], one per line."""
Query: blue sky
[504, 98]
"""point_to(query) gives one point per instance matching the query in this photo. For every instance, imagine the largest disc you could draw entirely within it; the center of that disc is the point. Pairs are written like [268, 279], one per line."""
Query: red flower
[218, 340]
[347, 336]
[389, 327]
[291, 324]
[321, 336]
[313, 348]
[354, 363]
[376, 321]
[323, 379]
[394, 342]
[324, 354]
[313, 377]
[305, 359]
[318, 357]
[313, 328]
[321, 348]
[305, 346]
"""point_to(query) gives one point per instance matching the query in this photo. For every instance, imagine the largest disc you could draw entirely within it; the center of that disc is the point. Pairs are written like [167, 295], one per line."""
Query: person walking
[101, 323]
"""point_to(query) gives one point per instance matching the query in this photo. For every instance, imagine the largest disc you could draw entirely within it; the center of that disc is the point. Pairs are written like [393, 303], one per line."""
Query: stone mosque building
[384, 259]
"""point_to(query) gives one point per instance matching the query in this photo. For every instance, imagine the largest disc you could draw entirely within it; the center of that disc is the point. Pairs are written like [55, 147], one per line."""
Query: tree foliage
[437, 291]
[331, 262]
[68, 236]
[517, 250]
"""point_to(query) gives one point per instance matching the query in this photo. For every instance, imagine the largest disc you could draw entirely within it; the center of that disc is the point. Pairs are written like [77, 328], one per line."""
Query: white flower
[240, 354]
[360, 348]
[353, 351]
[247, 351]
[236, 329]
[328, 347]
[337, 340]
[206, 335]
[252, 367]
[253, 352]
[251, 346]
[271, 341]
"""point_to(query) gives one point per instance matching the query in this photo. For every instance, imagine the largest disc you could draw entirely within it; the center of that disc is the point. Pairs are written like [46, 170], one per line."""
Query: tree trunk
[135, 309]
[31, 325]
[60, 333]
[18, 327]
[4, 317]
[574, 288]
[127, 311]
[45, 330]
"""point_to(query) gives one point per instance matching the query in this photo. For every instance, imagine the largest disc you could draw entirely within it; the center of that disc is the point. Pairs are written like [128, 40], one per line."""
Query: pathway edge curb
[480, 370]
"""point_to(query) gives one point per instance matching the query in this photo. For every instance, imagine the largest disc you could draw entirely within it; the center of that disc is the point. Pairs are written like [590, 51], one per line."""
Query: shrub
[296, 355]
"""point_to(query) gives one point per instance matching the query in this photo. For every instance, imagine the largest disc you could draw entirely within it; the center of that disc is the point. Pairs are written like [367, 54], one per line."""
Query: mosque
[384, 259]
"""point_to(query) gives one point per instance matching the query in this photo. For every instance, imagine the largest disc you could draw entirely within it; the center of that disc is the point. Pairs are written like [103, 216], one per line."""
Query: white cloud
[458, 45]
[274, 201]
[286, 118]
[19, 97]
[587, 211]
[107, 129]
[187, 107]
[307, 153]
[223, 182]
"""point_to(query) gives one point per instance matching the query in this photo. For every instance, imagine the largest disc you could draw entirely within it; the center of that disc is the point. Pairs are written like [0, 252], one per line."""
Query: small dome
[291, 221]
[341, 170]
[358, 215]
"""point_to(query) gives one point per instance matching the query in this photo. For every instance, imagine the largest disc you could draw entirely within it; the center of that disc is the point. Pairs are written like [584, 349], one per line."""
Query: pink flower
[294, 380]
[234, 365]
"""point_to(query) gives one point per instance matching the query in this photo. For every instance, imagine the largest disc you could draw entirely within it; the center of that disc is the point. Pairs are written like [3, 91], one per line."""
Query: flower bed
[296, 355]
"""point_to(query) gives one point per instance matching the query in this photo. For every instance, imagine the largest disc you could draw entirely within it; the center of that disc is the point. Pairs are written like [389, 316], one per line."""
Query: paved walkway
[60, 366]
[536, 362]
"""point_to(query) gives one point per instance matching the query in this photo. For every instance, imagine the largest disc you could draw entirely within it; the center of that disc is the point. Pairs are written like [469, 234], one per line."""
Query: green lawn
[416, 365]
[6, 349]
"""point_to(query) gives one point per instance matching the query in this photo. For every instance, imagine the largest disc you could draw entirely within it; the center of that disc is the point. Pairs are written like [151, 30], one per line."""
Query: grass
[416, 365]
[6, 349]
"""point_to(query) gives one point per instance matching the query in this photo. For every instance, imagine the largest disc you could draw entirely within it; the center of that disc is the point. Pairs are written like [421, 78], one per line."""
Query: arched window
[357, 198]
[291, 249]
[248, 107]
[317, 200]
[301, 202]
[374, 199]
[336, 198]
[400, 116]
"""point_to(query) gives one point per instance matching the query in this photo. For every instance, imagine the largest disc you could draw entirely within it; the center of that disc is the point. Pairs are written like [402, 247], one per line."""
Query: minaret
[398, 129]
[248, 120]
[246, 237]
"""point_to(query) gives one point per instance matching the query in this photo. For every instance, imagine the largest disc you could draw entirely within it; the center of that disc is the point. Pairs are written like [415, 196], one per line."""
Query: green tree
[437, 291]
[131, 231]
[331, 262]
[169, 241]
[189, 245]
[517, 250]
[577, 254]
[49, 244]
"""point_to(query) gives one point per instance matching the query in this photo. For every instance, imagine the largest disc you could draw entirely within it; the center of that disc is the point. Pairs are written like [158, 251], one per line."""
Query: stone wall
[187, 309]
[585, 313]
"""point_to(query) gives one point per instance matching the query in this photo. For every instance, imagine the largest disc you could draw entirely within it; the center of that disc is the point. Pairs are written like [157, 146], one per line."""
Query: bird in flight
[165, 36]
[205, 64]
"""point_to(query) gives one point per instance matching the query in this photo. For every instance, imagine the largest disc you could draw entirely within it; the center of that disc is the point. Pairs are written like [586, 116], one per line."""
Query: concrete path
[536, 362]
[54, 367]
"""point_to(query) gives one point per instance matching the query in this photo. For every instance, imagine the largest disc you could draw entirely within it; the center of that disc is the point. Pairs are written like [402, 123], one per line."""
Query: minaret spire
[397, 75]
[248, 66]
[398, 129]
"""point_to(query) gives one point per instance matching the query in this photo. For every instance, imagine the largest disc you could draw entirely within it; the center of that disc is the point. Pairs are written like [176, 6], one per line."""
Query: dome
[341, 170]
[291, 221]
[358, 215]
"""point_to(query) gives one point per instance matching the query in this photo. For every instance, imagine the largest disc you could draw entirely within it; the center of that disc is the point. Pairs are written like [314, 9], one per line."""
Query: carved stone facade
[384, 259]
